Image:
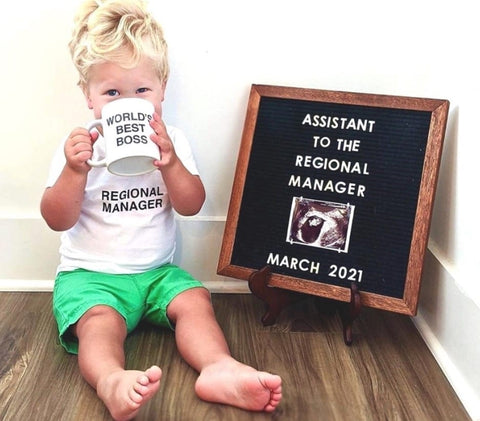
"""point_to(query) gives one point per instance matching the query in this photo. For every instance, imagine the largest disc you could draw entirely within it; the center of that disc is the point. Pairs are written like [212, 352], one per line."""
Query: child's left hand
[163, 141]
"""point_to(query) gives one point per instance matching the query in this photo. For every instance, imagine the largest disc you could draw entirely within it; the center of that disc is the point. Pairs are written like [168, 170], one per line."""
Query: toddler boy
[115, 267]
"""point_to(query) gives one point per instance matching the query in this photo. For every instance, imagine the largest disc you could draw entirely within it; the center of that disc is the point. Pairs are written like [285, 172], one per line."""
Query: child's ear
[164, 85]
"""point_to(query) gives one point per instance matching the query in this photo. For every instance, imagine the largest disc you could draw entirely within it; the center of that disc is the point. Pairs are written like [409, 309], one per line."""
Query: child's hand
[163, 141]
[78, 149]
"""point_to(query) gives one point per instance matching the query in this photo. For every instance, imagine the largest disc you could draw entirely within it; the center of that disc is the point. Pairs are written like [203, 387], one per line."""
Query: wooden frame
[399, 138]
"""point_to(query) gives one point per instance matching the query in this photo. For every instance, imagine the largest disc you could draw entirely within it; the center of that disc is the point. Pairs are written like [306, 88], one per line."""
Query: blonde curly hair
[118, 31]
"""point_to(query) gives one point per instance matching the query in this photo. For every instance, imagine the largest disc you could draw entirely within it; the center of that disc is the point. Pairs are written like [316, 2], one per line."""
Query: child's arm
[61, 203]
[186, 191]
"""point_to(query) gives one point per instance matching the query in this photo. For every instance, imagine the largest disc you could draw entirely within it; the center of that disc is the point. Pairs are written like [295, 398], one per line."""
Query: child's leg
[101, 332]
[202, 344]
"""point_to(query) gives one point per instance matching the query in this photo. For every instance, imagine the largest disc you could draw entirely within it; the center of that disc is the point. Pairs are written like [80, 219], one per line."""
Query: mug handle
[102, 162]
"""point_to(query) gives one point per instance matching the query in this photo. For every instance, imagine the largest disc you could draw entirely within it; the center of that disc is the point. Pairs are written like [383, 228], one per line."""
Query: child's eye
[142, 90]
[112, 92]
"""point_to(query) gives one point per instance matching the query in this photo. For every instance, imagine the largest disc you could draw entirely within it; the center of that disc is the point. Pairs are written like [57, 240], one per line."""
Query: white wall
[218, 49]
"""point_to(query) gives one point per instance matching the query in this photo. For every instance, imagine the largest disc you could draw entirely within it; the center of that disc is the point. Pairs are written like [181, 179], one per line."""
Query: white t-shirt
[126, 224]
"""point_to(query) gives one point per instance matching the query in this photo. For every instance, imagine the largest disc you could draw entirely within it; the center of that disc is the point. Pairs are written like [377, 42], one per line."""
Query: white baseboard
[464, 392]
[227, 286]
[29, 285]
[21, 285]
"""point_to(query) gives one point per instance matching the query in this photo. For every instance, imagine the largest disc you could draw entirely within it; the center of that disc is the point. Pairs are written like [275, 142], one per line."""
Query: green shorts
[136, 297]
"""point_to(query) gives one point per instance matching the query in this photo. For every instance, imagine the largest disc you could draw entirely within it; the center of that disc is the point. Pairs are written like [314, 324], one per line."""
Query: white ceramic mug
[126, 129]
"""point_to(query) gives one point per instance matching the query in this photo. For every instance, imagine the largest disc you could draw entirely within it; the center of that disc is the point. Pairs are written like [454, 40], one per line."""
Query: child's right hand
[79, 148]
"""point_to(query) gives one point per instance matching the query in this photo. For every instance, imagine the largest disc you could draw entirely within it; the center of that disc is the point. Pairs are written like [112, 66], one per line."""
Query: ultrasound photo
[320, 224]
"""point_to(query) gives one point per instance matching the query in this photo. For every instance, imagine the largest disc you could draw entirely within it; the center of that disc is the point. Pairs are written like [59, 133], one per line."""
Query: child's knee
[100, 315]
[191, 300]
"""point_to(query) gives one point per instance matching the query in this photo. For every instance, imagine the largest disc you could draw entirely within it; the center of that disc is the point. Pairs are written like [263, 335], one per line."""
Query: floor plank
[387, 374]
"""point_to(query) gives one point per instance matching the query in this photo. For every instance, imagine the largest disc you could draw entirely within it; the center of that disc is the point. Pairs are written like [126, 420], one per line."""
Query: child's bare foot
[124, 392]
[234, 383]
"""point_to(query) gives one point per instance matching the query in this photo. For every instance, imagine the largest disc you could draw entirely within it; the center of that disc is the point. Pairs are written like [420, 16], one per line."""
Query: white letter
[307, 120]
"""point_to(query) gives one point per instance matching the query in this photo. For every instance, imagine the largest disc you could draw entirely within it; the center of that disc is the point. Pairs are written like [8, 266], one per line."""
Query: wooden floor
[387, 374]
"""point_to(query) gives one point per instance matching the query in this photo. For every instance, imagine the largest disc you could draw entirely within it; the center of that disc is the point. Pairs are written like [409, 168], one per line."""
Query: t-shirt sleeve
[183, 149]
